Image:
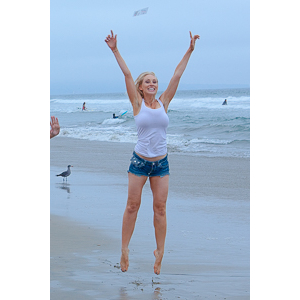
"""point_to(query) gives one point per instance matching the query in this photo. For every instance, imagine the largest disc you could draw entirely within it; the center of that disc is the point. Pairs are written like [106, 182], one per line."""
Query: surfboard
[87, 109]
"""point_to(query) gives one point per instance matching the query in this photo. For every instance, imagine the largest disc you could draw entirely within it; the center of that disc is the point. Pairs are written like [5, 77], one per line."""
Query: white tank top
[151, 127]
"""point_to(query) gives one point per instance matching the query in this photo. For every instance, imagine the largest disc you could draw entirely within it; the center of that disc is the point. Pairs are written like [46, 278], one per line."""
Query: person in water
[83, 106]
[150, 157]
[55, 128]
[115, 117]
[225, 102]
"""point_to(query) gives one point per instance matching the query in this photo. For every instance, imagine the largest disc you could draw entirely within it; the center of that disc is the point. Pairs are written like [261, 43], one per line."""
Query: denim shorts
[142, 167]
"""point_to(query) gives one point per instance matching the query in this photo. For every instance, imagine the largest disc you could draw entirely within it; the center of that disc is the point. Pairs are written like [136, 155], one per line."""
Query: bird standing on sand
[66, 173]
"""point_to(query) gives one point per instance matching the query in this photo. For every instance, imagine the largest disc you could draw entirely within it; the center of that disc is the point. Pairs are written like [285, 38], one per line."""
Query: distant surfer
[83, 106]
[225, 102]
[121, 113]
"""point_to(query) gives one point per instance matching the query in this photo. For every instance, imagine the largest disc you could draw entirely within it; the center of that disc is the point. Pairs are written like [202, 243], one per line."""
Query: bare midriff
[152, 158]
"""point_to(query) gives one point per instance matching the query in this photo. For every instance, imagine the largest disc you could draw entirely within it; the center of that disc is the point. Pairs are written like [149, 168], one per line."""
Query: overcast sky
[81, 62]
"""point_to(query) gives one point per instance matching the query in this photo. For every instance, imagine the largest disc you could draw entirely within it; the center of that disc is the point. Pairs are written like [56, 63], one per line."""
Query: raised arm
[169, 93]
[133, 95]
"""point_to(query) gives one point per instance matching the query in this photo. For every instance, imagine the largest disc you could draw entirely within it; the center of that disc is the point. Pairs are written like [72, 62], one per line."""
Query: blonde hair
[140, 79]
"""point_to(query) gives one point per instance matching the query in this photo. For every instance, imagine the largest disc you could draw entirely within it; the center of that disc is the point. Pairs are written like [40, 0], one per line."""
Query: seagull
[66, 173]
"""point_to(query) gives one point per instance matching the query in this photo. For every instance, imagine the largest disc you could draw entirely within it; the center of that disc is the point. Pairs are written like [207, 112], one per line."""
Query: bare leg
[135, 186]
[160, 188]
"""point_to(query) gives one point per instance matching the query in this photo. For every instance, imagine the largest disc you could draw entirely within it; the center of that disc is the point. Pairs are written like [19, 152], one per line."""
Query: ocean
[199, 123]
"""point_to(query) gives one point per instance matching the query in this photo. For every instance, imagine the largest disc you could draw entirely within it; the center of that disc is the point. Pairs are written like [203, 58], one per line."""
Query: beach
[207, 252]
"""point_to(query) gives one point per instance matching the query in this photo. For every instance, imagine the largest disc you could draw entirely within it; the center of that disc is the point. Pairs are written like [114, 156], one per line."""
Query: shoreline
[207, 245]
[216, 176]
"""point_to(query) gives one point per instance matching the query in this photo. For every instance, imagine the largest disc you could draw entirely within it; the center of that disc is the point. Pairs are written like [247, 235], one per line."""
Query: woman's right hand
[133, 95]
[111, 41]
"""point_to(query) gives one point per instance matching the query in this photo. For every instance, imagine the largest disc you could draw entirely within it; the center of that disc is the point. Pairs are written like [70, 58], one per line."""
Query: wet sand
[207, 253]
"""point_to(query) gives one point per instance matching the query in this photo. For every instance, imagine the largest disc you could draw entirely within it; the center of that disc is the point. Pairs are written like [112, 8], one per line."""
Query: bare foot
[158, 260]
[124, 260]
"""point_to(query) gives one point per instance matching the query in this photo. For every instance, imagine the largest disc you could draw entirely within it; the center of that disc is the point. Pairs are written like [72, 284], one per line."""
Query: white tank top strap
[158, 100]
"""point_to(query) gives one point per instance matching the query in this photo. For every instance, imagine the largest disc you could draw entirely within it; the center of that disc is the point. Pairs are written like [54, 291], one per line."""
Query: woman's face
[149, 85]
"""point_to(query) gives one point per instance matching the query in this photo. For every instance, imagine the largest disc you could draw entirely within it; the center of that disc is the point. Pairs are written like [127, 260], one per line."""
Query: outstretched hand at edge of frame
[55, 128]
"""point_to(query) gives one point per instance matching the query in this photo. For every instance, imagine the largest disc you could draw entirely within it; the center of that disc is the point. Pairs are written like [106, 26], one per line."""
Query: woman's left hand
[193, 40]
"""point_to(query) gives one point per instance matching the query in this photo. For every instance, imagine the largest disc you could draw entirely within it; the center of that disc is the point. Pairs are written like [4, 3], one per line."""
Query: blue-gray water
[199, 123]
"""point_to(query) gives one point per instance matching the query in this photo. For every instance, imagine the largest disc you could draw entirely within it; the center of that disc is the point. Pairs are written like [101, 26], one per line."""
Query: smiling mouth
[151, 89]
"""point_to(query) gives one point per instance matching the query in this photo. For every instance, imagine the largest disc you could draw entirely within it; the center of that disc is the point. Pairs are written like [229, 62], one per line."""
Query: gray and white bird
[66, 173]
